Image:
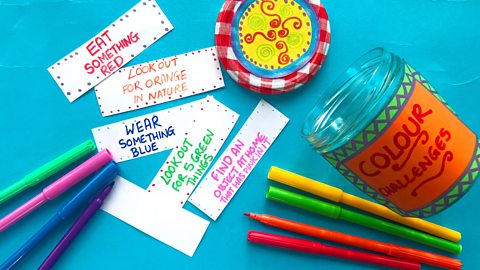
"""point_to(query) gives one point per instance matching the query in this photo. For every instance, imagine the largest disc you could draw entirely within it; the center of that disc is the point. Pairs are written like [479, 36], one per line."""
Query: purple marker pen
[68, 238]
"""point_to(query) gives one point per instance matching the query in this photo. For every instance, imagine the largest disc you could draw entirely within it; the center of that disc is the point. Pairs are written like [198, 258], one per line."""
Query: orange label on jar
[419, 156]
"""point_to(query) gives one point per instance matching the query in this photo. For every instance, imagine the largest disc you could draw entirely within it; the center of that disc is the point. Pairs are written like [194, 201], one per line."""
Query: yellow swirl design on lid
[274, 33]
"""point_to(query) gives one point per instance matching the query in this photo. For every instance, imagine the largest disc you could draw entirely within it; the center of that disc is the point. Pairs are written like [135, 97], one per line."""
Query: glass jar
[385, 128]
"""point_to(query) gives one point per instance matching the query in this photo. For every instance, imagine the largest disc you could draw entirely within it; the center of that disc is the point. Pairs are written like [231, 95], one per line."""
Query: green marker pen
[48, 170]
[337, 212]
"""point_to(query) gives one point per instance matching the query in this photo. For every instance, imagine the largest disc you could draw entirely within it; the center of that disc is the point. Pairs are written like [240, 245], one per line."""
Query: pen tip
[247, 214]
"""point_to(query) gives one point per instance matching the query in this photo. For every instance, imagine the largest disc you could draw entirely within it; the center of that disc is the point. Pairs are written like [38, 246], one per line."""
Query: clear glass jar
[391, 134]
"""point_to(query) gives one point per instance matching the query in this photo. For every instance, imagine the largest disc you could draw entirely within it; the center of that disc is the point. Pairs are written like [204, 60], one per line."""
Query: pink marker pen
[58, 187]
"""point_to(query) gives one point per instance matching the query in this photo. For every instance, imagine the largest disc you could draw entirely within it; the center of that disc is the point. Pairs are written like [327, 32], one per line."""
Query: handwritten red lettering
[396, 155]
[107, 52]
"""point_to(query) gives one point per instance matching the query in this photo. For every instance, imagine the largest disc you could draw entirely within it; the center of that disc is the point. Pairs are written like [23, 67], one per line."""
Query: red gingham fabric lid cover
[268, 85]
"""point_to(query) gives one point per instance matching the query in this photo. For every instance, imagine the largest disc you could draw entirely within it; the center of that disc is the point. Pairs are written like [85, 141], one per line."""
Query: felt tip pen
[318, 248]
[58, 187]
[48, 169]
[100, 180]
[72, 233]
[337, 212]
[337, 195]
[397, 251]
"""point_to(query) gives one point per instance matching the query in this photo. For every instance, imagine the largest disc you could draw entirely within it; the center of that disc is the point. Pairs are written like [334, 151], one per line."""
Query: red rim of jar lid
[258, 84]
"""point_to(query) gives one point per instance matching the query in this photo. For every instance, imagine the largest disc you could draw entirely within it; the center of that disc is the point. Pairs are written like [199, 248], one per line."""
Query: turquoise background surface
[441, 39]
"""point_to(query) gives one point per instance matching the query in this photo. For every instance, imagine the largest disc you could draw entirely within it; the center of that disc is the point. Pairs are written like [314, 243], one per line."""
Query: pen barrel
[31, 243]
[318, 248]
[68, 238]
[82, 171]
[425, 257]
[325, 234]
[22, 211]
[60, 162]
[367, 258]
[416, 223]
[99, 181]
[48, 170]
[12, 190]
[400, 231]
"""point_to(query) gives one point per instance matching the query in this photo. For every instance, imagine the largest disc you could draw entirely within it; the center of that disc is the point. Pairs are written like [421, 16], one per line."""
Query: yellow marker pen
[337, 195]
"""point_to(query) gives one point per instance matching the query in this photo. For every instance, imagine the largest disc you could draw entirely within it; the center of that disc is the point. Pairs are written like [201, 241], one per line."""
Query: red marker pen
[317, 248]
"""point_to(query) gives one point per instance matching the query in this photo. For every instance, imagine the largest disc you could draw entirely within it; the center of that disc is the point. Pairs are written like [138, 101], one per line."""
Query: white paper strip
[109, 50]
[173, 226]
[160, 131]
[232, 168]
[192, 157]
[147, 134]
[160, 81]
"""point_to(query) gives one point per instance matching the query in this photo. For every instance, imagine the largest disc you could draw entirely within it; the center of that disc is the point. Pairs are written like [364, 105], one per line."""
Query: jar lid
[272, 46]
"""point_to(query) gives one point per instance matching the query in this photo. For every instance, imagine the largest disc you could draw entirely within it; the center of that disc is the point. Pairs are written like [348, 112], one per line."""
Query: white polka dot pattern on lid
[109, 50]
[160, 81]
[243, 153]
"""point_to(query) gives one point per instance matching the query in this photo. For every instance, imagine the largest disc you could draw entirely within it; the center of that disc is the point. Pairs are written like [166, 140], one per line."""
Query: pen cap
[101, 179]
[426, 257]
[83, 170]
[60, 163]
[306, 184]
[303, 202]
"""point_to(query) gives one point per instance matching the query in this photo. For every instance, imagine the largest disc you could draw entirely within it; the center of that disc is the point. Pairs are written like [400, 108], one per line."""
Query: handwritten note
[239, 159]
[173, 226]
[162, 130]
[109, 50]
[194, 154]
[160, 81]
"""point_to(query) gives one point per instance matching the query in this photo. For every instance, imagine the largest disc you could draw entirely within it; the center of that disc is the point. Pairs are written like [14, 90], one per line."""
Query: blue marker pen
[100, 180]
